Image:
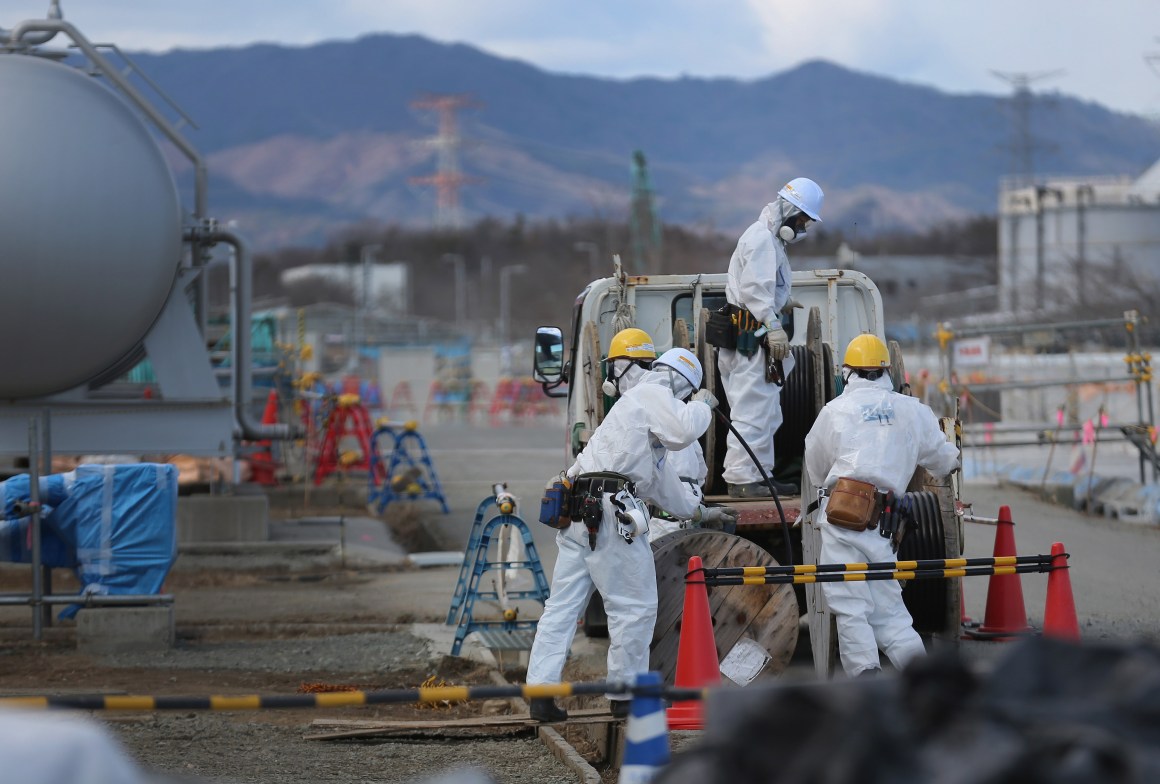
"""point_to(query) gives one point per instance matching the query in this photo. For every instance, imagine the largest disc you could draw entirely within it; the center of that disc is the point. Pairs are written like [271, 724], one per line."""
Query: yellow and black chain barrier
[934, 569]
[435, 695]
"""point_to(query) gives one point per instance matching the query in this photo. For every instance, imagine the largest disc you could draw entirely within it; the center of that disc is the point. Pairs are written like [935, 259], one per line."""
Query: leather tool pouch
[720, 331]
[853, 504]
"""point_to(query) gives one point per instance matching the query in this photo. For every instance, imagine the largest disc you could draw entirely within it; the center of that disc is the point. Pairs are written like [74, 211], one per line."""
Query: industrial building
[1073, 242]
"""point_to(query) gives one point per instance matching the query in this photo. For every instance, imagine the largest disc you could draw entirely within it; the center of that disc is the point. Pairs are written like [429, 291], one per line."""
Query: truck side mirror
[548, 358]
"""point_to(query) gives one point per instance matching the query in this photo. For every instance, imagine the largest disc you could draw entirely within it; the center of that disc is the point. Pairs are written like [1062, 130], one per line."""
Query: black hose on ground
[768, 483]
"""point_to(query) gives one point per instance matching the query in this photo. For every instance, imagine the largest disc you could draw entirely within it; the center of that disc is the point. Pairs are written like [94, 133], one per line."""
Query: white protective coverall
[689, 466]
[876, 435]
[688, 463]
[759, 281]
[634, 440]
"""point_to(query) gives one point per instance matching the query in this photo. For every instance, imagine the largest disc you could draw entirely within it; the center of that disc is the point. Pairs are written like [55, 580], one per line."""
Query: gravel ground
[268, 657]
[236, 748]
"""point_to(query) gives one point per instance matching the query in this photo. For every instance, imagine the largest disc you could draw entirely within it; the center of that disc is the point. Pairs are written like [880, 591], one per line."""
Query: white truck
[756, 628]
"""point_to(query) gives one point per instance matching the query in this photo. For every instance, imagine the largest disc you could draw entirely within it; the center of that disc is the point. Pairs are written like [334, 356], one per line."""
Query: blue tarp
[114, 525]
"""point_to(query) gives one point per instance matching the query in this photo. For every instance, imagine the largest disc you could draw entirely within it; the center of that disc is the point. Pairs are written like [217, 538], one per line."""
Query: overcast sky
[1092, 50]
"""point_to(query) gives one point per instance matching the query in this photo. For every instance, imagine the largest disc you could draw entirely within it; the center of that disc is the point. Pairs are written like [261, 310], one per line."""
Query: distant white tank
[90, 228]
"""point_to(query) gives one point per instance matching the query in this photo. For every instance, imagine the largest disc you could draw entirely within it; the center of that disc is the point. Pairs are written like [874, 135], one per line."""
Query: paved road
[1115, 565]
[470, 459]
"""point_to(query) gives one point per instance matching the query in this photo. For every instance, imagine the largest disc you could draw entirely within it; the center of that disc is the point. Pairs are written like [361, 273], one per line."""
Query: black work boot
[620, 708]
[545, 710]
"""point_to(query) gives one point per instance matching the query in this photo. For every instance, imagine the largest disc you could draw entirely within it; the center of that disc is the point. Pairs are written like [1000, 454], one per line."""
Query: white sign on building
[972, 352]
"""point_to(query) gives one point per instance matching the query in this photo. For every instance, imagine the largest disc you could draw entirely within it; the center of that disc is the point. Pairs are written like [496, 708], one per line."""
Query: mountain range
[302, 141]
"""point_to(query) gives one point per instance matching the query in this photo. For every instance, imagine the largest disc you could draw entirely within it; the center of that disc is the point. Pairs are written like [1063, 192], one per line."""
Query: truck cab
[837, 305]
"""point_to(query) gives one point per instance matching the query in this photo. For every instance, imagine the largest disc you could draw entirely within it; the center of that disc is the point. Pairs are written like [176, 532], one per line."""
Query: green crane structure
[645, 225]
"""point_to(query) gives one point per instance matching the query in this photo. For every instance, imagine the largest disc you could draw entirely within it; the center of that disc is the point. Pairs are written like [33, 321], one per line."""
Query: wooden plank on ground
[354, 728]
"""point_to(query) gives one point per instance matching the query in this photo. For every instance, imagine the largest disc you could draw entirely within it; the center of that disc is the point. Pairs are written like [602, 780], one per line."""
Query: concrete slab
[105, 630]
[301, 556]
[223, 518]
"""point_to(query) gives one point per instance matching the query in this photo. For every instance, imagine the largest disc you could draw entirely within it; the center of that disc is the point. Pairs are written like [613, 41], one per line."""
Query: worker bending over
[605, 547]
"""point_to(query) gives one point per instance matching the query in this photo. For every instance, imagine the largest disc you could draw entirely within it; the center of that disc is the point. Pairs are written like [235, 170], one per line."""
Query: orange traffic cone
[262, 462]
[697, 664]
[1059, 614]
[1005, 616]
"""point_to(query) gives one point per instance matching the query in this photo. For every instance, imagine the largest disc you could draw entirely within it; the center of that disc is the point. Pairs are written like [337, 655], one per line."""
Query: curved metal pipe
[18, 34]
[241, 274]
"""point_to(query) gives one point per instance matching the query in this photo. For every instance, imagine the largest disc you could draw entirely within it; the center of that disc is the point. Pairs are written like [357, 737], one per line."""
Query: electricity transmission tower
[1024, 143]
[447, 179]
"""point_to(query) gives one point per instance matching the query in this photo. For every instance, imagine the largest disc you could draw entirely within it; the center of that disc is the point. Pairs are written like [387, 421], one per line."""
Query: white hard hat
[804, 194]
[684, 362]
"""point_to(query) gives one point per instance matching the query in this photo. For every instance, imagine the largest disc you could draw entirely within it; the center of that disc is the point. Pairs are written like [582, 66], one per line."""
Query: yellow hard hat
[867, 352]
[632, 343]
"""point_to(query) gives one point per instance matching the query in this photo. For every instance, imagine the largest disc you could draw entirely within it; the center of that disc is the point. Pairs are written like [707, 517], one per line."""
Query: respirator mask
[678, 384]
[794, 228]
[617, 369]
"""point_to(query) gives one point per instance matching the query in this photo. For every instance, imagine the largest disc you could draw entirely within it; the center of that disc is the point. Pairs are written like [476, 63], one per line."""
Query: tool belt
[732, 327]
[599, 482]
[721, 328]
[588, 501]
[854, 505]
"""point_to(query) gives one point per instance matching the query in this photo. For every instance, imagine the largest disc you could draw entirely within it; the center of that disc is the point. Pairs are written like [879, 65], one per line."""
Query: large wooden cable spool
[897, 368]
[591, 371]
[765, 614]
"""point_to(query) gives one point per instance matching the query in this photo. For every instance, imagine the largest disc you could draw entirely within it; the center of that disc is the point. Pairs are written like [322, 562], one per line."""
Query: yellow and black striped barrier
[759, 577]
[939, 563]
[343, 699]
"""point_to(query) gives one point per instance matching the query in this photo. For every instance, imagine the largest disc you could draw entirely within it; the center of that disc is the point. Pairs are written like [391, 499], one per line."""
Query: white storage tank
[90, 228]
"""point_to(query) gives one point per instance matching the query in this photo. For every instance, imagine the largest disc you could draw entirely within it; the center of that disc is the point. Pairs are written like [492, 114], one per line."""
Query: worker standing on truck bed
[605, 547]
[758, 289]
[861, 453]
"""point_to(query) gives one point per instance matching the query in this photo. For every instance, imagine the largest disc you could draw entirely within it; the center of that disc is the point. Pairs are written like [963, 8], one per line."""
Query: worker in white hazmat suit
[872, 434]
[630, 353]
[758, 290]
[605, 548]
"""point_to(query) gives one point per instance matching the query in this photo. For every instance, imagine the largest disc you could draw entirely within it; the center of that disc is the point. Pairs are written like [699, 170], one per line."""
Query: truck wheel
[763, 614]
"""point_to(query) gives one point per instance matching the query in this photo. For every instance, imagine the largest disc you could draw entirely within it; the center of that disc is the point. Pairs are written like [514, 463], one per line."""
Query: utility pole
[448, 179]
[367, 256]
[460, 287]
[505, 274]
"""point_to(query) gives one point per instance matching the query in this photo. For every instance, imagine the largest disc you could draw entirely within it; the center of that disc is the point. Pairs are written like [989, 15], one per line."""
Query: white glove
[561, 477]
[706, 397]
[716, 517]
[789, 306]
[778, 342]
